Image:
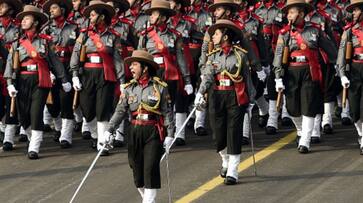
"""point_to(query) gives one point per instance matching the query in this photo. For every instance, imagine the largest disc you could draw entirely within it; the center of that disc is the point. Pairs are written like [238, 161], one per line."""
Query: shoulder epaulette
[176, 32]
[240, 49]
[284, 30]
[239, 24]
[315, 25]
[126, 21]
[147, 30]
[258, 4]
[254, 15]
[189, 19]
[160, 82]
[113, 31]
[46, 37]
[126, 85]
[348, 26]
[214, 51]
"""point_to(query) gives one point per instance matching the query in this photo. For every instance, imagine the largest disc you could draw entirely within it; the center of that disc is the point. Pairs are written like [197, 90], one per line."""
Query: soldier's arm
[9, 73]
[180, 57]
[247, 78]
[75, 63]
[120, 112]
[167, 111]
[141, 42]
[208, 76]
[118, 62]
[254, 61]
[277, 62]
[341, 62]
[328, 46]
[56, 65]
[204, 52]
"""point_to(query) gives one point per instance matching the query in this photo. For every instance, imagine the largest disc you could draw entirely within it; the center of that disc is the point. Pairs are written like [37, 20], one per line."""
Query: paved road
[333, 172]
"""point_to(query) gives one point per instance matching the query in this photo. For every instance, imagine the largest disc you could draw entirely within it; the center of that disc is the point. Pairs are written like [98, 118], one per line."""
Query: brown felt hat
[218, 3]
[97, 4]
[49, 3]
[297, 3]
[160, 5]
[34, 11]
[223, 23]
[354, 3]
[142, 56]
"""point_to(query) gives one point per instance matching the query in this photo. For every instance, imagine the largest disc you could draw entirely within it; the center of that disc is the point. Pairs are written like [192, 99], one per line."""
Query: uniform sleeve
[252, 57]
[56, 65]
[328, 46]
[208, 76]
[180, 57]
[167, 112]
[9, 73]
[118, 61]
[341, 62]
[141, 44]
[247, 77]
[277, 63]
[120, 113]
[203, 56]
[75, 63]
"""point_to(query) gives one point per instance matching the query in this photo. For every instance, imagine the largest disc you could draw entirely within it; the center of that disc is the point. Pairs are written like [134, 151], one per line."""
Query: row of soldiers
[91, 66]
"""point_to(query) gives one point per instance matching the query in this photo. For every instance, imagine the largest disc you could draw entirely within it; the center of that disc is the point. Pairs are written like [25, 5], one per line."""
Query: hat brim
[41, 17]
[213, 7]
[213, 28]
[15, 4]
[306, 6]
[350, 7]
[49, 3]
[124, 5]
[106, 7]
[184, 3]
[131, 59]
[167, 11]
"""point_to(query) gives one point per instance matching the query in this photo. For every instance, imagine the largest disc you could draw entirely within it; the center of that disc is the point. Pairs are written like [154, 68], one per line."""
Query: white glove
[199, 100]
[76, 83]
[108, 136]
[167, 143]
[345, 81]
[122, 89]
[261, 75]
[52, 78]
[12, 91]
[67, 86]
[279, 85]
[188, 89]
[267, 69]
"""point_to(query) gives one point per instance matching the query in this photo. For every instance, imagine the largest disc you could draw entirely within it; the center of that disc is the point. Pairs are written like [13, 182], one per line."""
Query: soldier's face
[55, 11]
[27, 22]
[220, 12]
[4, 8]
[76, 4]
[357, 13]
[113, 5]
[217, 37]
[136, 70]
[154, 17]
[174, 5]
[293, 15]
[93, 16]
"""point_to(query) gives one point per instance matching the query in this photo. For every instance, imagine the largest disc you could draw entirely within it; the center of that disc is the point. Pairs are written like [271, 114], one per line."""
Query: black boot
[223, 172]
[179, 142]
[105, 153]
[64, 144]
[315, 140]
[327, 129]
[361, 151]
[56, 136]
[7, 146]
[23, 138]
[33, 155]
[47, 128]
[118, 143]
[287, 122]
[86, 135]
[338, 111]
[201, 131]
[77, 127]
[271, 130]
[230, 181]
[346, 121]
[303, 150]
[262, 121]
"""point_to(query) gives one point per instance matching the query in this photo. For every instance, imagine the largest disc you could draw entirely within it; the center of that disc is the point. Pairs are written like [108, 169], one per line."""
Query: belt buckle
[301, 59]
[31, 67]
[225, 82]
[95, 59]
[159, 60]
[360, 56]
[142, 117]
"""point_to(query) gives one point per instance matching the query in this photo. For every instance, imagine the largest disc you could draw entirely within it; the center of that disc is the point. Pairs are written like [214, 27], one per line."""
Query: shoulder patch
[214, 51]
[176, 32]
[46, 37]
[126, 85]
[160, 82]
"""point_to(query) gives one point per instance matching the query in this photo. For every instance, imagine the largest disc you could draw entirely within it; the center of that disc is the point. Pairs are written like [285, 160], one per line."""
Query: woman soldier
[28, 75]
[98, 47]
[64, 35]
[227, 81]
[148, 100]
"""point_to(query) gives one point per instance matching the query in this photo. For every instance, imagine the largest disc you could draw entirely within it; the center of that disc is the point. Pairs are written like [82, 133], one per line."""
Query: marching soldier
[166, 45]
[76, 15]
[64, 35]
[137, 15]
[96, 52]
[227, 81]
[147, 97]
[350, 61]
[297, 48]
[9, 32]
[28, 76]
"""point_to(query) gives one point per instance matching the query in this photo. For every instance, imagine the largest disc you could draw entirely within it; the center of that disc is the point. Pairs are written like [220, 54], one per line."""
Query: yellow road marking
[212, 184]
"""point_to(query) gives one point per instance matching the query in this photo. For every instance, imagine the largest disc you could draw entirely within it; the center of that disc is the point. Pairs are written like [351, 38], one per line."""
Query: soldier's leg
[78, 118]
[135, 155]
[307, 129]
[246, 126]
[285, 116]
[263, 108]
[224, 156]
[298, 125]
[199, 125]
[11, 126]
[55, 110]
[345, 114]
[66, 100]
[358, 127]
[181, 109]
[315, 137]
[327, 122]
[47, 119]
[272, 123]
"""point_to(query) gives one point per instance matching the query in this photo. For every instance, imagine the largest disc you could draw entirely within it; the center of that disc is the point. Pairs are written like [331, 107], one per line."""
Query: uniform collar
[6, 21]
[143, 81]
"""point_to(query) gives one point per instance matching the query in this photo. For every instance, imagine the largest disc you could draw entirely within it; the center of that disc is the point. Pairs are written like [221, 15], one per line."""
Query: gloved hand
[188, 89]
[67, 86]
[261, 75]
[52, 78]
[199, 101]
[279, 85]
[122, 89]
[12, 91]
[108, 137]
[76, 83]
[267, 69]
[167, 143]
[345, 82]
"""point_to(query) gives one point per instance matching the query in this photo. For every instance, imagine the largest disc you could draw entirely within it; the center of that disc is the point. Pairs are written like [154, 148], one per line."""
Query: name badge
[159, 60]
[32, 67]
[95, 59]
[152, 98]
[225, 82]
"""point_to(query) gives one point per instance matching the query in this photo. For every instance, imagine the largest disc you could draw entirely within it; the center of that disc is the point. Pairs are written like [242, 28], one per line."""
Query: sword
[252, 145]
